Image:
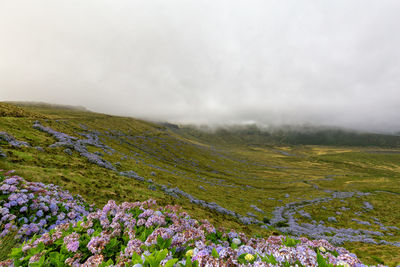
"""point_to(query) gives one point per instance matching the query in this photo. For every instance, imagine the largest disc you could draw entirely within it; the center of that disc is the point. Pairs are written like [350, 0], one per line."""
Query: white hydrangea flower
[236, 241]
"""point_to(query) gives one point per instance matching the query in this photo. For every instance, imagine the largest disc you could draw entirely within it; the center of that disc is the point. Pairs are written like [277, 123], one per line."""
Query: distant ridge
[45, 105]
[7, 110]
[291, 135]
[250, 134]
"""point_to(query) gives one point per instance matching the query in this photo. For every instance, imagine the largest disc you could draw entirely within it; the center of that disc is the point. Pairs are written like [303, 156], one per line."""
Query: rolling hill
[332, 184]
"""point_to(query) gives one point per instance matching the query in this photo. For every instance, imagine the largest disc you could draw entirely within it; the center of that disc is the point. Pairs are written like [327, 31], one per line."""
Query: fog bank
[208, 62]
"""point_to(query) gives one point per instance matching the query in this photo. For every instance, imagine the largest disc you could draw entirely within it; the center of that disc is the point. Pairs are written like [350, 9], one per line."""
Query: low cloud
[270, 62]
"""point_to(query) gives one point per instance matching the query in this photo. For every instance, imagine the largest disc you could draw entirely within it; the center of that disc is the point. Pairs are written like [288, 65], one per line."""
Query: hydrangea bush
[143, 234]
[29, 208]
[138, 234]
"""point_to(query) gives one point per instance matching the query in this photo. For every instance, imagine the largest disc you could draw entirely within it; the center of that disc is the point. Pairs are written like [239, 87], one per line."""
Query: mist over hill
[330, 63]
[253, 134]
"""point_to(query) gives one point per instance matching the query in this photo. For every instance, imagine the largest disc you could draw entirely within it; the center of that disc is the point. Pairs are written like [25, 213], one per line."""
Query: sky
[208, 62]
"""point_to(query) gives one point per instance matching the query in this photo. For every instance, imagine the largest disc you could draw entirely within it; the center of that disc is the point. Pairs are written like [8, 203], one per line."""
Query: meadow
[347, 195]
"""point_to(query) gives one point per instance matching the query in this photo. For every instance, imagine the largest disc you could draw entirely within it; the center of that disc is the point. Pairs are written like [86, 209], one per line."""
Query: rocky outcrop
[79, 145]
[12, 141]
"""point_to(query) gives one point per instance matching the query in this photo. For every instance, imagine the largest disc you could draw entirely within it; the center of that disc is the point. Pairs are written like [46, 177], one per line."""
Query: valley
[348, 195]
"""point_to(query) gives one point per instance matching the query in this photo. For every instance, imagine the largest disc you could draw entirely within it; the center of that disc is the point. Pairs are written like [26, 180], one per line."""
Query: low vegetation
[137, 234]
[279, 187]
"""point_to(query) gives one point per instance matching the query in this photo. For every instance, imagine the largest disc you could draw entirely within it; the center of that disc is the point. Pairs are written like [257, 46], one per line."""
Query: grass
[235, 174]
[7, 243]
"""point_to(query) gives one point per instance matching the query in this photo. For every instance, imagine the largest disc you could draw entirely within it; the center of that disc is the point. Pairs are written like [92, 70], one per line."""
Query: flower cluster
[30, 208]
[144, 234]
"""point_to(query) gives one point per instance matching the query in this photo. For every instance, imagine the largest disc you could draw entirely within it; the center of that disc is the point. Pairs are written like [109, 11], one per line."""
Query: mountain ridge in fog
[256, 134]
[252, 134]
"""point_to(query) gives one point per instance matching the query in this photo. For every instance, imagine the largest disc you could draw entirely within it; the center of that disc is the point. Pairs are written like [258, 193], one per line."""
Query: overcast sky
[209, 61]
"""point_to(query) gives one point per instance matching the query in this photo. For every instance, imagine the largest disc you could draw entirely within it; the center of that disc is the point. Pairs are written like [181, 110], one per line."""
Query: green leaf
[160, 242]
[214, 253]
[290, 242]
[151, 260]
[173, 250]
[171, 262]
[136, 258]
[269, 259]
[54, 258]
[241, 259]
[322, 262]
[160, 255]
[333, 252]
[16, 253]
[188, 262]
[168, 243]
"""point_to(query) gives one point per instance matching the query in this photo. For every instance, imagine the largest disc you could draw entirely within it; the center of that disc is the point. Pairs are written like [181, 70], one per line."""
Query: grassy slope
[294, 135]
[250, 171]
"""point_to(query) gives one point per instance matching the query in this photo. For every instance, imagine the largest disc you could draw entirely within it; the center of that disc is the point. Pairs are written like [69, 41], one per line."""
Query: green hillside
[236, 180]
[292, 135]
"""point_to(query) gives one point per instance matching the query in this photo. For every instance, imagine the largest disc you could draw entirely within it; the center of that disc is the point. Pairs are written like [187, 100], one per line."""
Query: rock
[152, 187]
[132, 174]
[12, 141]
[361, 222]
[257, 209]
[368, 205]
[6, 137]
[2, 154]
[251, 214]
[79, 145]
[93, 158]
[68, 151]
[99, 153]
[304, 214]
[245, 220]
[332, 219]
